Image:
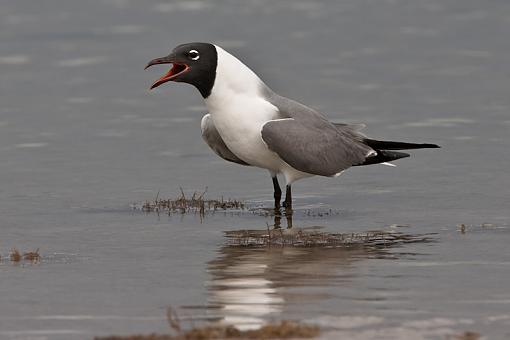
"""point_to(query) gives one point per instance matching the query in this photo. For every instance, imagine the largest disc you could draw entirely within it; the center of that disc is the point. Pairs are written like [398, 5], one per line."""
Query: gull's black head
[193, 63]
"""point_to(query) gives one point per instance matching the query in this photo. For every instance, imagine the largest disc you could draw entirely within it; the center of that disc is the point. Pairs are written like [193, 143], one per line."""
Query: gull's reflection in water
[250, 286]
[278, 218]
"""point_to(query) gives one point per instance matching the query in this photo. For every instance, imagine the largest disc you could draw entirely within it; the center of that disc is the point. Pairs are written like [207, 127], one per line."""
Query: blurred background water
[81, 139]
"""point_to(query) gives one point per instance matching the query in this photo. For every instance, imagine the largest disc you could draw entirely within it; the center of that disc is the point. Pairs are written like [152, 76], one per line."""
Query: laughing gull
[251, 125]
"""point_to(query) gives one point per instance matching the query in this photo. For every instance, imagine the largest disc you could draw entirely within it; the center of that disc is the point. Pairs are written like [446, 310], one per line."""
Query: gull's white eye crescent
[193, 55]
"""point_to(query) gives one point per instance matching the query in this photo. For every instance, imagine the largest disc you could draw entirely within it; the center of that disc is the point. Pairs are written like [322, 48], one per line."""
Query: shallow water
[81, 139]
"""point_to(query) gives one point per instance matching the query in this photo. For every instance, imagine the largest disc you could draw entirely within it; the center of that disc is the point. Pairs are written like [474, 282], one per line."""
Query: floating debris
[315, 237]
[484, 227]
[282, 330]
[15, 255]
[32, 256]
[195, 204]
[320, 212]
[468, 335]
[462, 228]
[315, 213]
[395, 226]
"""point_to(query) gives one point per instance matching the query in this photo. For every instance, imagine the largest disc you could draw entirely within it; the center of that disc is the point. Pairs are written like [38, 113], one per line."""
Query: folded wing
[319, 149]
[212, 137]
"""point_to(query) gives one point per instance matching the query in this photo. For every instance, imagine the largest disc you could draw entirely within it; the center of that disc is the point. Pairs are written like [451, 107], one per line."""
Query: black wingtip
[431, 146]
[384, 156]
[390, 145]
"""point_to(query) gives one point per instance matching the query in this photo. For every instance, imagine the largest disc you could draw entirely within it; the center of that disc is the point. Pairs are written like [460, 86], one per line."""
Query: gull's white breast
[239, 110]
[239, 120]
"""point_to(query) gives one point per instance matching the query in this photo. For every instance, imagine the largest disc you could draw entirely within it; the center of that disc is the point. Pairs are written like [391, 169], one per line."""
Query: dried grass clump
[464, 228]
[468, 335]
[314, 237]
[194, 204]
[320, 213]
[32, 256]
[17, 256]
[282, 330]
[137, 337]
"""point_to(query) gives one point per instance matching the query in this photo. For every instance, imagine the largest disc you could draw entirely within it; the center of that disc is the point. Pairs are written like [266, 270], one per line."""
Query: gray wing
[308, 142]
[212, 137]
[354, 128]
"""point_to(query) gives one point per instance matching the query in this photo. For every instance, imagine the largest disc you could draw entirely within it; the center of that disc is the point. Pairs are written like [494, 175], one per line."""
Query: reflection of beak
[176, 70]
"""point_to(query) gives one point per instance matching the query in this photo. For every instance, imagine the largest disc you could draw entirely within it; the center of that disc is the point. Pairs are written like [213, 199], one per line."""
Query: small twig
[183, 197]
[202, 195]
[173, 320]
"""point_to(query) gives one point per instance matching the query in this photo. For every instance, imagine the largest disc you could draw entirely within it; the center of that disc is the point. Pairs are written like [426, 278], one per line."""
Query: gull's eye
[193, 55]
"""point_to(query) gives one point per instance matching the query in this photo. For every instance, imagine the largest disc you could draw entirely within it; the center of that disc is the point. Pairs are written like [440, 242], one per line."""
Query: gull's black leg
[288, 198]
[277, 193]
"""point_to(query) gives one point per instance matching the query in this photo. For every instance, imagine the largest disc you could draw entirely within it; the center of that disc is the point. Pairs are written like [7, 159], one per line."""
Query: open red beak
[176, 70]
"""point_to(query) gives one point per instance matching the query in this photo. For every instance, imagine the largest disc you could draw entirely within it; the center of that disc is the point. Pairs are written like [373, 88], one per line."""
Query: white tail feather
[388, 164]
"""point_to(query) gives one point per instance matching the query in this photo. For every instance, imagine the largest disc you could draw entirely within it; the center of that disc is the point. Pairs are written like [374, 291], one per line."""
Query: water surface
[81, 139]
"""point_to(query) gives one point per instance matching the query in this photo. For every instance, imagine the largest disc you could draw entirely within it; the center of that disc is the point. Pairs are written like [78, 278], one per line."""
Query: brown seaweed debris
[468, 335]
[315, 237]
[462, 228]
[282, 330]
[195, 204]
[32, 256]
[15, 255]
